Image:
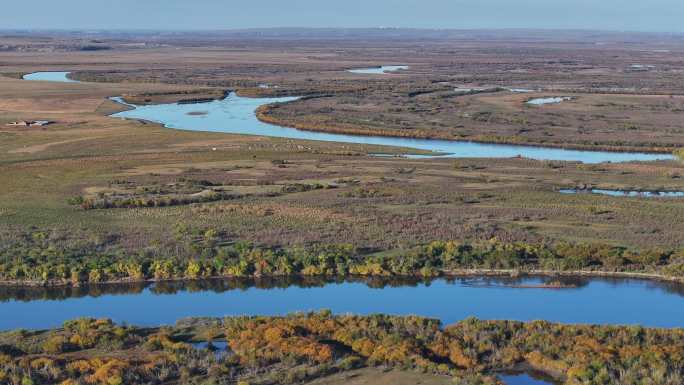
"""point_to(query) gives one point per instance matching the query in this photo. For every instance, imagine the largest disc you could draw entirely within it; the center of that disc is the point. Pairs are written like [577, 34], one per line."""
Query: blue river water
[593, 301]
[236, 115]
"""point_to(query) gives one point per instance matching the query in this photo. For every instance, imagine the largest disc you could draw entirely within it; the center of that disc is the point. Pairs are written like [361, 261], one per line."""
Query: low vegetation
[94, 199]
[302, 347]
[42, 258]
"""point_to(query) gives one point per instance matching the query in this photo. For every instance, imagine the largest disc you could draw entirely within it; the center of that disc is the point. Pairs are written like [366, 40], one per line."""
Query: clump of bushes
[302, 347]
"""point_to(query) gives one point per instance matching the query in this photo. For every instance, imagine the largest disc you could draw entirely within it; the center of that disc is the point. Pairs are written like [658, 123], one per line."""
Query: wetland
[202, 189]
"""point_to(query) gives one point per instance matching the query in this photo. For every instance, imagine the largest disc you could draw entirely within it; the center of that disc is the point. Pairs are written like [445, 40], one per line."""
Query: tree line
[36, 258]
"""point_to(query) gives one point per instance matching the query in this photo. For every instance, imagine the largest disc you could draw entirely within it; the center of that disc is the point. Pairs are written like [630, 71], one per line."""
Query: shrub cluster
[301, 347]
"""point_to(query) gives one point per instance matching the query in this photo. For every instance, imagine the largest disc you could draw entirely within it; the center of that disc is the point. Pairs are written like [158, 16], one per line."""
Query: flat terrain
[614, 121]
[91, 198]
[372, 376]
[286, 193]
[627, 88]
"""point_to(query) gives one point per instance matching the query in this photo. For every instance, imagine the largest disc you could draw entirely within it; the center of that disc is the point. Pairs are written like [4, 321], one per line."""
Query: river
[593, 301]
[236, 115]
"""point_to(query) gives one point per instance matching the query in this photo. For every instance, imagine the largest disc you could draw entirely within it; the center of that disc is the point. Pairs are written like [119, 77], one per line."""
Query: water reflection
[562, 299]
[531, 378]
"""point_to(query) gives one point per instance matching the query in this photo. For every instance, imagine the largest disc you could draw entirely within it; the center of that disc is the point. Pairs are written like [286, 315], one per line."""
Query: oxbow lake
[236, 115]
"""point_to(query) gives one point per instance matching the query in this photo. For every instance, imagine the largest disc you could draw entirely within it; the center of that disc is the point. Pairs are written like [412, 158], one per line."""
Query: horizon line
[381, 28]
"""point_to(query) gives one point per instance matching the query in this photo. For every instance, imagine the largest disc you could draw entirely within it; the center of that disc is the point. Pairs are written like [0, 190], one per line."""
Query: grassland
[90, 197]
[140, 182]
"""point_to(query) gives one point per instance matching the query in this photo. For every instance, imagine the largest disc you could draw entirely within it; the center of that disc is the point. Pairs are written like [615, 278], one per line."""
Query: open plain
[91, 198]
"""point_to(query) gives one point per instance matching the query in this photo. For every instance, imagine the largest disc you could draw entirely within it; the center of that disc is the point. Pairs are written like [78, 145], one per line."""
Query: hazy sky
[633, 15]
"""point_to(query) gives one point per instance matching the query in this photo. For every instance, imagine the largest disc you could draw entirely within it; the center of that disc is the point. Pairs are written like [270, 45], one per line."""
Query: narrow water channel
[626, 193]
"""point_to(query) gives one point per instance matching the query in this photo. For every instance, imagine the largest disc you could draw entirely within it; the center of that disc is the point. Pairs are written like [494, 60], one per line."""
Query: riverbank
[266, 114]
[460, 273]
[443, 197]
[435, 259]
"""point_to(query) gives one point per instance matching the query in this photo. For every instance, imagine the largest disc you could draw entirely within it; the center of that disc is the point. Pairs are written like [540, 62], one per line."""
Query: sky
[618, 15]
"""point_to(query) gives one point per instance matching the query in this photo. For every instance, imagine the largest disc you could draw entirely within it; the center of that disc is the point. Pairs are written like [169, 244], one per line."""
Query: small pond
[50, 77]
[521, 90]
[524, 379]
[378, 70]
[553, 100]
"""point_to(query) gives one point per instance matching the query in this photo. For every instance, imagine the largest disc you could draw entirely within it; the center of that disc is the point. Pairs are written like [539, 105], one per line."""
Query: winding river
[235, 115]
